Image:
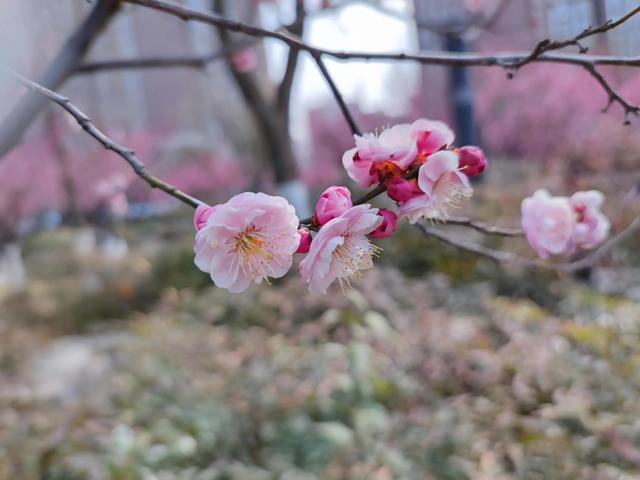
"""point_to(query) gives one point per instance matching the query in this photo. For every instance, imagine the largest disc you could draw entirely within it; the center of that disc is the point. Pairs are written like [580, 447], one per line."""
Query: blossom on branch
[559, 225]
[333, 202]
[341, 249]
[252, 237]
[375, 154]
[388, 225]
[472, 161]
[442, 184]
[592, 227]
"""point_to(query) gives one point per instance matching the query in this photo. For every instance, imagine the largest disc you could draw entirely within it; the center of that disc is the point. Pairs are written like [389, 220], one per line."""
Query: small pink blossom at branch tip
[341, 249]
[388, 225]
[443, 187]
[202, 213]
[244, 60]
[592, 226]
[252, 237]
[472, 160]
[333, 202]
[305, 240]
[548, 223]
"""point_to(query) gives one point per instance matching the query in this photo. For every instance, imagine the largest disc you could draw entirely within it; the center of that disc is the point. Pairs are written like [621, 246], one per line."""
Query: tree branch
[483, 227]
[87, 124]
[549, 45]
[197, 62]
[509, 61]
[500, 256]
[337, 95]
[274, 133]
[283, 95]
[63, 65]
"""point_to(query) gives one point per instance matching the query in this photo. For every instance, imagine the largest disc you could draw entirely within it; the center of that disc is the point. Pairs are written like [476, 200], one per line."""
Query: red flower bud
[388, 225]
[471, 160]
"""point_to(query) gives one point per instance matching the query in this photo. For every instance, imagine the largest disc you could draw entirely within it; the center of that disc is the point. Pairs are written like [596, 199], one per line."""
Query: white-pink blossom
[548, 223]
[341, 249]
[249, 238]
[393, 145]
[443, 186]
[430, 136]
[592, 226]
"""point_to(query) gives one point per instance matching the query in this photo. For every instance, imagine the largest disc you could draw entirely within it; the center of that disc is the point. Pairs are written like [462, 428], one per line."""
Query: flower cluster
[418, 167]
[560, 225]
[254, 236]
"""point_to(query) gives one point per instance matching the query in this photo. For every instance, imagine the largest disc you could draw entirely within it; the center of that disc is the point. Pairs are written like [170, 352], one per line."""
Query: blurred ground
[125, 363]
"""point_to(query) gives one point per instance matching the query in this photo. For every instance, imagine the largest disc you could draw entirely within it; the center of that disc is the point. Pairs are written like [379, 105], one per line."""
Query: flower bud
[388, 225]
[334, 201]
[401, 190]
[203, 212]
[305, 240]
[471, 160]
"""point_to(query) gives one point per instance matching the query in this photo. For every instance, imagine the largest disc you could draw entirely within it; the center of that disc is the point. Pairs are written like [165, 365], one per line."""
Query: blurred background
[120, 360]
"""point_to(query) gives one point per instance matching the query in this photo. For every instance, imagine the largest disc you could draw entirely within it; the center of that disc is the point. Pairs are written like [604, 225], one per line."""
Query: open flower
[548, 223]
[250, 238]
[375, 155]
[430, 136]
[592, 227]
[341, 249]
[443, 186]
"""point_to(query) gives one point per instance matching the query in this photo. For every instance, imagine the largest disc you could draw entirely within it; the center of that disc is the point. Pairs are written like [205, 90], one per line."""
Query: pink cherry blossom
[250, 238]
[341, 249]
[202, 213]
[430, 136]
[592, 226]
[333, 202]
[472, 160]
[305, 240]
[548, 223]
[443, 186]
[394, 145]
[388, 225]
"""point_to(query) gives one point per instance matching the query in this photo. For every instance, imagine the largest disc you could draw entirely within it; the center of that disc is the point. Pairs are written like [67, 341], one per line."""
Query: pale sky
[373, 86]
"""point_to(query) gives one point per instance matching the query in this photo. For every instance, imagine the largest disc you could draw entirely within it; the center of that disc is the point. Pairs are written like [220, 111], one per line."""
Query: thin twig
[483, 227]
[613, 96]
[497, 256]
[337, 95]
[197, 62]
[87, 124]
[549, 45]
[500, 256]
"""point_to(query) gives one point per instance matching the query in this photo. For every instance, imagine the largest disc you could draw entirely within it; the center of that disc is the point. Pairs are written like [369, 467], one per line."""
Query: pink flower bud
[203, 212]
[333, 202]
[401, 190]
[471, 160]
[388, 225]
[305, 240]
